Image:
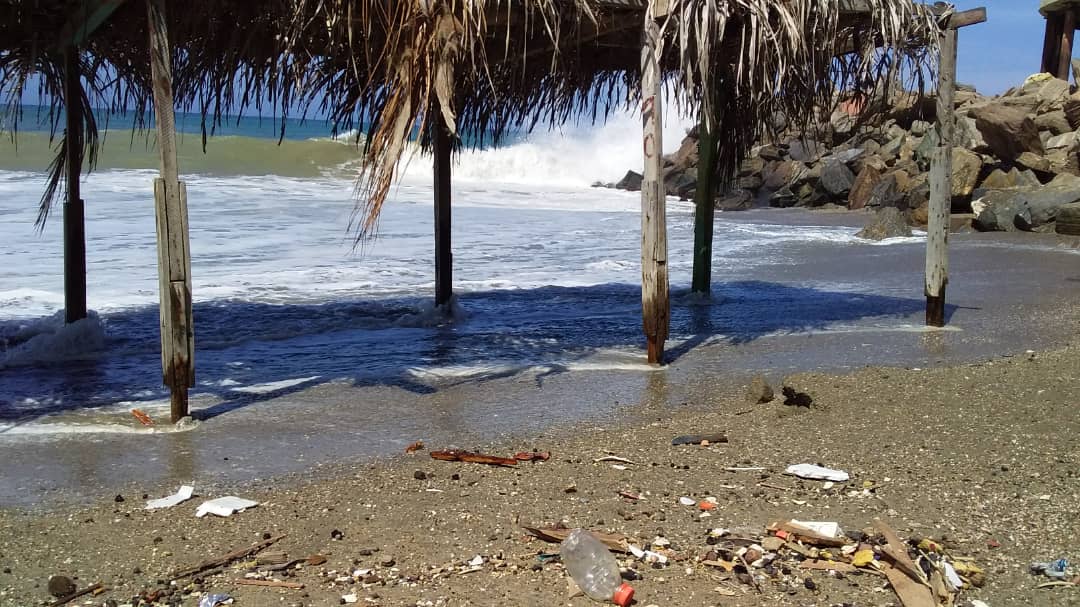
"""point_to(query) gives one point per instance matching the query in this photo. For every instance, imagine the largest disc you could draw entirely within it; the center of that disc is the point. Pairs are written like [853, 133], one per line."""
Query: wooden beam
[937, 230]
[966, 18]
[704, 207]
[85, 21]
[444, 261]
[655, 304]
[174, 252]
[1066, 50]
[74, 208]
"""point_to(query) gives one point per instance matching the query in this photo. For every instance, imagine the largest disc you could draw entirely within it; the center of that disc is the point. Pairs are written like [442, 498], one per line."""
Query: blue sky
[1000, 53]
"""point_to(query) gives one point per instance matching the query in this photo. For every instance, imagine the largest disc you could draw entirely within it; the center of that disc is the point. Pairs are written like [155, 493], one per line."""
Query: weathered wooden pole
[74, 208]
[704, 207]
[174, 254]
[1066, 44]
[940, 206]
[444, 261]
[1051, 43]
[655, 304]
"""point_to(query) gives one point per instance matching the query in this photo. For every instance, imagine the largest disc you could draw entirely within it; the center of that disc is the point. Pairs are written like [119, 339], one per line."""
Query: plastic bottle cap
[623, 595]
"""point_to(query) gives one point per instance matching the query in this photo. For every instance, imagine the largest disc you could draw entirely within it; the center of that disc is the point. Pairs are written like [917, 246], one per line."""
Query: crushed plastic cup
[224, 506]
[182, 495]
[818, 473]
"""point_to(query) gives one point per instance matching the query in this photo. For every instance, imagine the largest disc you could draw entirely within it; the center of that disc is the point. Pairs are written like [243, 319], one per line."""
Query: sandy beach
[981, 457]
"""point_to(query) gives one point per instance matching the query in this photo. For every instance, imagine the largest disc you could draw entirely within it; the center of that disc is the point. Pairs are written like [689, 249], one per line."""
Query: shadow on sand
[283, 349]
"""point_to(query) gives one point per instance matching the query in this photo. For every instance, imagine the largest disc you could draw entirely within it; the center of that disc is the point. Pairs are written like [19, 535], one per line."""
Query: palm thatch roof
[491, 65]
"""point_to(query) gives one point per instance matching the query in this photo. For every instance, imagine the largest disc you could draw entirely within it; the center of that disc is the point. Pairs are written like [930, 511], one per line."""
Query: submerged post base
[935, 310]
[656, 351]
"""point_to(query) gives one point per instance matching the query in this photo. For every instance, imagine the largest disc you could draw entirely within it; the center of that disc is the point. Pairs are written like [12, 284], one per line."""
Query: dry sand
[969, 455]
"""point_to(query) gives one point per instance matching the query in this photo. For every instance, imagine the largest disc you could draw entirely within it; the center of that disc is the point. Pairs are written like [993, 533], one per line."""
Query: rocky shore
[1015, 162]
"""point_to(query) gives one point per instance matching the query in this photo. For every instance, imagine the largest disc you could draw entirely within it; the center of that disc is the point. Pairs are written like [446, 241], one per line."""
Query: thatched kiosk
[454, 69]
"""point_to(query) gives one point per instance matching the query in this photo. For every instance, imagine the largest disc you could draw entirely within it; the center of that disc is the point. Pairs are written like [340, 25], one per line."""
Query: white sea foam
[28, 342]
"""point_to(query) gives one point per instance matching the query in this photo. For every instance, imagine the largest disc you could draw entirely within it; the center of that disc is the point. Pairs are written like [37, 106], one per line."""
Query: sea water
[546, 271]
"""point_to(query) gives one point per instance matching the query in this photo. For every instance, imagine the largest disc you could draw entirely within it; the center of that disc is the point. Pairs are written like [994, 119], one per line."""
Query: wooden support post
[1051, 43]
[444, 261]
[655, 304]
[705, 207]
[1061, 70]
[74, 208]
[937, 230]
[174, 255]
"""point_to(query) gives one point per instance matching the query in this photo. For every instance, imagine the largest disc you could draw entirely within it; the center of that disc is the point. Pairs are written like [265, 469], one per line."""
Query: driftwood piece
[458, 455]
[615, 542]
[225, 559]
[532, 456]
[910, 592]
[697, 439]
[269, 583]
[896, 551]
[74, 595]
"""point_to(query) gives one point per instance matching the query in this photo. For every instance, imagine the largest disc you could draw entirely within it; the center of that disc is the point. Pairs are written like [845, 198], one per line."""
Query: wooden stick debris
[613, 458]
[458, 455]
[74, 595]
[618, 543]
[269, 583]
[225, 559]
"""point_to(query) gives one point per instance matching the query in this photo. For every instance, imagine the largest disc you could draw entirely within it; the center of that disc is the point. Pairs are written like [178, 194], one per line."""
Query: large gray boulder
[1009, 131]
[888, 222]
[1024, 209]
[836, 178]
[630, 182]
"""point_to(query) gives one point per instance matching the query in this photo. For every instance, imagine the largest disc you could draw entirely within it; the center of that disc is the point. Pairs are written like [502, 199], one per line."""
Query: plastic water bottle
[594, 568]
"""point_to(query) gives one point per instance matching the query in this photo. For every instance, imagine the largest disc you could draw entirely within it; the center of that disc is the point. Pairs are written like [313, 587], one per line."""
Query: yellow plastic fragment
[862, 558]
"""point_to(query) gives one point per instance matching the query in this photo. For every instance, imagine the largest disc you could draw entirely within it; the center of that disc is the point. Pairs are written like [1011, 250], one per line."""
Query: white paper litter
[476, 561]
[978, 603]
[182, 495]
[686, 501]
[350, 598]
[954, 581]
[826, 528]
[818, 473]
[224, 506]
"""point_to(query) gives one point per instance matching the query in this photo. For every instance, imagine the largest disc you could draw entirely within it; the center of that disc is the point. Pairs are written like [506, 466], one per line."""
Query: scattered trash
[414, 447]
[224, 506]
[796, 399]
[699, 439]
[613, 458]
[1053, 569]
[594, 569]
[476, 561]
[143, 418]
[225, 559]
[349, 598]
[687, 501]
[817, 473]
[212, 600]
[827, 529]
[533, 456]
[648, 555]
[183, 494]
[458, 455]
